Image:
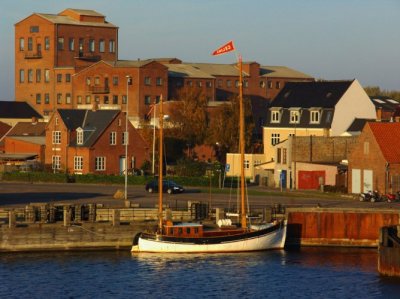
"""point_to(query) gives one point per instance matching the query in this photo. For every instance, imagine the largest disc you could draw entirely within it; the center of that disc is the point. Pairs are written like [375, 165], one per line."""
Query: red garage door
[311, 179]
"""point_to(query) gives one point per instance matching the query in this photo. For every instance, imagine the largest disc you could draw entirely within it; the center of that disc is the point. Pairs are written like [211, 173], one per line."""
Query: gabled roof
[217, 69]
[324, 94]
[186, 71]
[386, 103]
[4, 128]
[282, 72]
[93, 123]
[358, 124]
[387, 135]
[28, 129]
[40, 140]
[14, 110]
[85, 12]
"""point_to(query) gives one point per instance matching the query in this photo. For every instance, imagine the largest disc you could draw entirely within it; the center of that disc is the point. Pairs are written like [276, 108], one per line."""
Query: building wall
[233, 160]
[355, 103]
[15, 146]
[371, 159]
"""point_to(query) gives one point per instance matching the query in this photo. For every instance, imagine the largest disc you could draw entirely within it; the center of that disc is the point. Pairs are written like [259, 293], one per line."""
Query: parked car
[168, 186]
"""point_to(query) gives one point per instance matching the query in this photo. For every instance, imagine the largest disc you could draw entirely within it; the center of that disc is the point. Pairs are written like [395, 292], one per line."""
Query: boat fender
[224, 222]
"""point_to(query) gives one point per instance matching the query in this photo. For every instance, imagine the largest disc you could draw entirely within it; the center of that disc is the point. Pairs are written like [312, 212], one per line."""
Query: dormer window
[79, 136]
[315, 116]
[294, 116]
[275, 116]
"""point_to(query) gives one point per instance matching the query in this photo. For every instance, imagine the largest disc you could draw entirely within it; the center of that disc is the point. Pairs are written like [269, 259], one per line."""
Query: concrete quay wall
[338, 227]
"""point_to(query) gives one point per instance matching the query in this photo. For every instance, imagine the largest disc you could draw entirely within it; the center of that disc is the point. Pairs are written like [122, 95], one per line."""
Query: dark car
[168, 186]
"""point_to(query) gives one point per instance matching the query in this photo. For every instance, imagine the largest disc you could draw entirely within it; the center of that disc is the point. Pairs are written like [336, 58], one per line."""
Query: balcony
[88, 57]
[99, 89]
[33, 55]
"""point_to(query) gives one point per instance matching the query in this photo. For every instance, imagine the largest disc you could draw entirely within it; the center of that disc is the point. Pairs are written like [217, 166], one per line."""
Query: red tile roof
[387, 136]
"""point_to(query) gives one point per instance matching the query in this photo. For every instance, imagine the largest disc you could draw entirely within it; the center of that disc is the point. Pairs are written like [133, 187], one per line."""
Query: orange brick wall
[15, 146]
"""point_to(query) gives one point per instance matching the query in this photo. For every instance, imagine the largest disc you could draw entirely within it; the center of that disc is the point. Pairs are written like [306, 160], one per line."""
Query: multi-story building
[50, 49]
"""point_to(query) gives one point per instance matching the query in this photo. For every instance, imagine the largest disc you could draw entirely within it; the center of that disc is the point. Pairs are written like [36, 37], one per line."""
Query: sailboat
[193, 237]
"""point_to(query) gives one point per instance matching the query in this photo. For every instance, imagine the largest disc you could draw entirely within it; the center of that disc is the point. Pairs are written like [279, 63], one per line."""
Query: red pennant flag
[228, 47]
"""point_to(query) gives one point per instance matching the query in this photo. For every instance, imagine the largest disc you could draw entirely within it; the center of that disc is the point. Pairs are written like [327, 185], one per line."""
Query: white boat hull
[271, 240]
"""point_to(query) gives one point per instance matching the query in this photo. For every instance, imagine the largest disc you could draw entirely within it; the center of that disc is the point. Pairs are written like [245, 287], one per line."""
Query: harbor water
[302, 273]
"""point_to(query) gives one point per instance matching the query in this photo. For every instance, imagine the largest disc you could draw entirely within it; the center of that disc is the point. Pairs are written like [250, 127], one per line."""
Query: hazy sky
[328, 39]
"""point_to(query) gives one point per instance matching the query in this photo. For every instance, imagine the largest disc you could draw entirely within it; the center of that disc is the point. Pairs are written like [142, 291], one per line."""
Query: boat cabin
[185, 230]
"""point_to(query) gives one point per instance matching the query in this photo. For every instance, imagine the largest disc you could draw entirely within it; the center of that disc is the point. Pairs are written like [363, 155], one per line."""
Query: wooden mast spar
[160, 168]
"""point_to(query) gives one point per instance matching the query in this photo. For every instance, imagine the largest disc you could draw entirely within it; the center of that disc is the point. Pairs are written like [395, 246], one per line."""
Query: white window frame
[246, 164]
[113, 138]
[275, 116]
[100, 163]
[125, 138]
[294, 116]
[79, 136]
[56, 162]
[315, 117]
[56, 137]
[78, 163]
[275, 138]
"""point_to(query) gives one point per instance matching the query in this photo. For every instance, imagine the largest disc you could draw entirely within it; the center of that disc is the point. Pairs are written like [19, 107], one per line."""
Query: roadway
[20, 194]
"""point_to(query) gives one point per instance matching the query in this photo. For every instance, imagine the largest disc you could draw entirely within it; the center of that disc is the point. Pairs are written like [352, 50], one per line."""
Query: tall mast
[160, 168]
[242, 145]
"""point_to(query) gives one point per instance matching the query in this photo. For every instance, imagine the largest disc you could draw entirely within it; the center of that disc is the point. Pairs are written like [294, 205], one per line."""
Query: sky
[327, 39]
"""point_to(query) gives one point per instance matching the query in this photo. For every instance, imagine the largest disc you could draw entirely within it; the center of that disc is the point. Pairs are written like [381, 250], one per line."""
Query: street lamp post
[128, 82]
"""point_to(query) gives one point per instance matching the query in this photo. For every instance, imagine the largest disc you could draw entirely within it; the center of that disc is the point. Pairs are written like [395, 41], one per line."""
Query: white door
[367, 180]
[355, 181]
[122, 165]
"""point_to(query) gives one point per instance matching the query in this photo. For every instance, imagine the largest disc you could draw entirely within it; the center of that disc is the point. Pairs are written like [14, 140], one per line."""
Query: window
[147, 80]
[21, 44]
[91, 45]
[87, 81]
[262, 84]
[246, 164]
[38, 75]
[21, 76]
[199, 84]
[315, 119]
[34, 29]
[68, 78]
[220, 83]
[190, 83]
[275, 116]
[158, 99]
[88, 99]
[60, 43]
[123, 99]
[96, 99]
[59, 78]
[124, 138]
[228, 83]
[159, 81]
[71, 44]
[284, 155]
[78, 163]
[30, 76]
[47, 43]
[79, 99]
[47, 98]
[246, 83]
[113, 138]
[208, 84]
[269, 84]
[111, 46]
[96, 81]
[279, 155]
[147, 100]
[106, 101]
[115, 80]
[68, 98]
[79, 136]
[101, 46]
[46, 75]
[56, 162]
[115, 99]
[294, 116]
[275, 138]
[56, 137]
[100, 163]
[366, 147]
[236, 83]
[38, 98]
[278, 85]
[30, 44]
[59, 98]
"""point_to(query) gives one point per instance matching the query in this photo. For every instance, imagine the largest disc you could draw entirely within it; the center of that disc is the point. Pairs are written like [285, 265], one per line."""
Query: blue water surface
[303, 273]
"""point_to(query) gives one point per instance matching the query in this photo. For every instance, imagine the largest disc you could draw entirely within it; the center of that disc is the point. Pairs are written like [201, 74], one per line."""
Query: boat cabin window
[180, 231]
[171, 231]
[188, 230]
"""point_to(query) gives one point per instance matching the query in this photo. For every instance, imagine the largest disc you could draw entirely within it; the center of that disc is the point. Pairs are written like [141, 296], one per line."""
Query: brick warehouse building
[50, 48]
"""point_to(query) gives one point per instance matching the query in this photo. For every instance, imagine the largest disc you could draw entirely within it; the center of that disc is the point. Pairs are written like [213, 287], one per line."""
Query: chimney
[379, 114]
